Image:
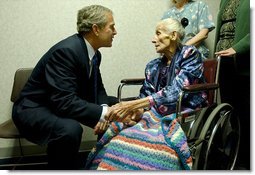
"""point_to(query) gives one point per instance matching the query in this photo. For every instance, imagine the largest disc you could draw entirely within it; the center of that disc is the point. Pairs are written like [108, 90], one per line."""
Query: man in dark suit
[66, 89]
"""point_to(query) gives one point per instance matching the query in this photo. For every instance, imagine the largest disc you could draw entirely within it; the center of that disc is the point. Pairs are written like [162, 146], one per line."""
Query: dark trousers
[61, 135]
[63, 145]
[235, 90]
[242, 109]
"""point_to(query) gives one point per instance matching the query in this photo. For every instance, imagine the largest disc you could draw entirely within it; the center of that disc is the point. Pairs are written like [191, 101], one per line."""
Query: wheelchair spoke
[221, 136]
[223, 146]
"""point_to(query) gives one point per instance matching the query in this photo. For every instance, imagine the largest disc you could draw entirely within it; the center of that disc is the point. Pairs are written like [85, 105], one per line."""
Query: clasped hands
[122, 112]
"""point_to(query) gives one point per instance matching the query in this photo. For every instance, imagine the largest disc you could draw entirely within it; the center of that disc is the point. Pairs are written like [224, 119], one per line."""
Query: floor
[33, 162]
[40, 163]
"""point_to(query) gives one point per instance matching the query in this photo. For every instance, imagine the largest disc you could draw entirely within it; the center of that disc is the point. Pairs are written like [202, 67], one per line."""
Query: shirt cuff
[151, 100]
[104, 112]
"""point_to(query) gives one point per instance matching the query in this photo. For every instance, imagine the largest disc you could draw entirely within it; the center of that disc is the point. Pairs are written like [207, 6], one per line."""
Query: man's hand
[101, 127]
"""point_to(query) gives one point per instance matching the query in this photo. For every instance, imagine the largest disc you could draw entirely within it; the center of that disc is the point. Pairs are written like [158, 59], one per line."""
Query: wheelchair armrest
[192, 89]
[132, 81]
[129, 81]
[201, 87]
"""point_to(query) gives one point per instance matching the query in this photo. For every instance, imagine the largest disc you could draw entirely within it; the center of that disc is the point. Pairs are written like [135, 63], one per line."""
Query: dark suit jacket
[60, 81]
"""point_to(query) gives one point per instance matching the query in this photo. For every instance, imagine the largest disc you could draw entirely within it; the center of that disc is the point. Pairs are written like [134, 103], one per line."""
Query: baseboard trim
[35, 162]
[35, 157]
[26, 161]
[32, 150]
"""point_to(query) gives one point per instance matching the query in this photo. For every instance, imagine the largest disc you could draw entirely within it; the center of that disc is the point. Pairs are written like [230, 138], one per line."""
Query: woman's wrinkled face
[161, 39]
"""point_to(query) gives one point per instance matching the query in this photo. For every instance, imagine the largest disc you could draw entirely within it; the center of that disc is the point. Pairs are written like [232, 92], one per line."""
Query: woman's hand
[133, 117]
[129, 120]
[127, 110]
[228, 52]
[119, 111]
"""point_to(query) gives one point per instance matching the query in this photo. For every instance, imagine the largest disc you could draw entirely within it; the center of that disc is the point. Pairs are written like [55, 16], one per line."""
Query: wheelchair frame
[213, 132]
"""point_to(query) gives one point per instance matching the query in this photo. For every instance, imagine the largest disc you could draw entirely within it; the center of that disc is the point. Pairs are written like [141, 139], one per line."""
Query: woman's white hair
[172, 25]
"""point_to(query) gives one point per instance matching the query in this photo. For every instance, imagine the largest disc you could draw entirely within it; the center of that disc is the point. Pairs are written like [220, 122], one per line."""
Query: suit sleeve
[62, 76]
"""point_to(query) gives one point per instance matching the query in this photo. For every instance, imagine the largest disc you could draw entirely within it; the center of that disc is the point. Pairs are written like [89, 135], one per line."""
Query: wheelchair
[213, 132]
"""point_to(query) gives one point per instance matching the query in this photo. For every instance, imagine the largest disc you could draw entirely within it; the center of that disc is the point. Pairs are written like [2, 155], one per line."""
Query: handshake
[125, 112]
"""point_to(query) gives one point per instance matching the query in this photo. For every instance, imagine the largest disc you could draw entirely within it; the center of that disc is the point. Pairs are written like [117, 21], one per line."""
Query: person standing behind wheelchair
[66, 89]
[232, 43]
[197, 20]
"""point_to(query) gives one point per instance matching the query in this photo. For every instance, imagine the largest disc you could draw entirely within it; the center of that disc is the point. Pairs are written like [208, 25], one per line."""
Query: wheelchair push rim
[222, 153]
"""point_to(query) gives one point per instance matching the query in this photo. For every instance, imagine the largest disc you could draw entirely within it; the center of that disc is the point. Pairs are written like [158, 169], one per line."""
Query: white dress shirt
[91, 53]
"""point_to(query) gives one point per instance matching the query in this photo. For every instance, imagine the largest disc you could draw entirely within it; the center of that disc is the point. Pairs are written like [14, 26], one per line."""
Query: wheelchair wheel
[197, 125]
[219, 140]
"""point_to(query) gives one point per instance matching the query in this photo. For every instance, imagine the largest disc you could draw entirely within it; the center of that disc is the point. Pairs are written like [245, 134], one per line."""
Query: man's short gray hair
[89, 15]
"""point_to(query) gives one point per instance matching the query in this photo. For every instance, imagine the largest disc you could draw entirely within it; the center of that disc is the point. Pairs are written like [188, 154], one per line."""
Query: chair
[8, 129]
[213, 133]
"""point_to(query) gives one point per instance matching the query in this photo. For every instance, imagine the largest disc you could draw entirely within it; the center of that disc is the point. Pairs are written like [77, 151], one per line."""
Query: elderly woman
[157, 141]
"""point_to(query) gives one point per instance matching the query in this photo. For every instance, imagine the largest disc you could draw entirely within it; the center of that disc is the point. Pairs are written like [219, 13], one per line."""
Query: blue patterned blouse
[186, 68]
[199, 17]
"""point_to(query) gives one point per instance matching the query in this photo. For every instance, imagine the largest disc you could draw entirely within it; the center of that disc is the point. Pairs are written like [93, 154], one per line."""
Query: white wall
[30, 27]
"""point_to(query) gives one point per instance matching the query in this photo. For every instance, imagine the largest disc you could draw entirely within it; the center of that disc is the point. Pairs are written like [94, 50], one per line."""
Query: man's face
[161, 39]
[107, 33]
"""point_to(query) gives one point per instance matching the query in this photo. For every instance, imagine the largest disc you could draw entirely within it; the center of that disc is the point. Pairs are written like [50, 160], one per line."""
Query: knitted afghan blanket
[154, 143]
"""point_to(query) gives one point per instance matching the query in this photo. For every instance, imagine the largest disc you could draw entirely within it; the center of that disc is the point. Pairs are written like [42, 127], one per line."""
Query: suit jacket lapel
[84, 56]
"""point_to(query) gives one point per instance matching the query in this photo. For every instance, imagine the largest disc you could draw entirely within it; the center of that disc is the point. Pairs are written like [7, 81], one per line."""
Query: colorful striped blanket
[154, 143]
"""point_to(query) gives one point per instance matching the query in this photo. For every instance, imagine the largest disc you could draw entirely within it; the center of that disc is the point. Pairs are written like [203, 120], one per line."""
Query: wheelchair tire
[197, 125]
[220, 139]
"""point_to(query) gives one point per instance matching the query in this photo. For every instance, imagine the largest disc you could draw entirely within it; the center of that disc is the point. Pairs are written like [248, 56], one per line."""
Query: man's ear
[95, 29]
